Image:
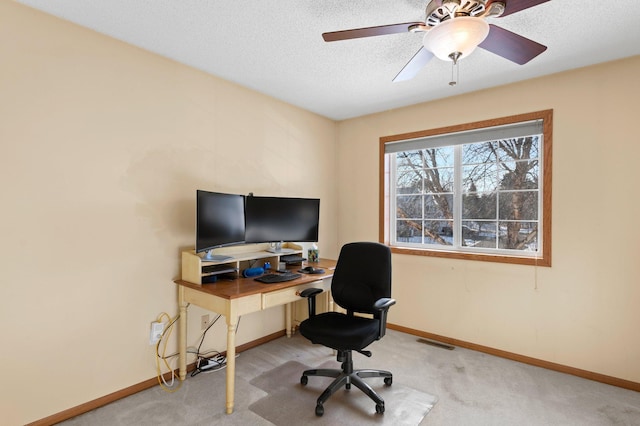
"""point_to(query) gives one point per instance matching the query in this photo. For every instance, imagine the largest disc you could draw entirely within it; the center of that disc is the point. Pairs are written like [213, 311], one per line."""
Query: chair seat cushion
[340, 331]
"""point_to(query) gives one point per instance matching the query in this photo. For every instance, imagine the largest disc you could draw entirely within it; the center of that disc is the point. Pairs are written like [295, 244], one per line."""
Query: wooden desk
[239, 297]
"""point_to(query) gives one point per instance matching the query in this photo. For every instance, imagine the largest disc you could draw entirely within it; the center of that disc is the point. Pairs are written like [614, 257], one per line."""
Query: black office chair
[361, 284]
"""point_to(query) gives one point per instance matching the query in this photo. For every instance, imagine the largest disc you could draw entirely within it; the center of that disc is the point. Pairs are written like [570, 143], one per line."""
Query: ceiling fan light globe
[462, 34]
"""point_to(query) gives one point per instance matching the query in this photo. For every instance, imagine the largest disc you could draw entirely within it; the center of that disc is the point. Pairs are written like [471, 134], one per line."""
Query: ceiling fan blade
[369, 31]
[513, 6]
[511, 46]
[416, 63]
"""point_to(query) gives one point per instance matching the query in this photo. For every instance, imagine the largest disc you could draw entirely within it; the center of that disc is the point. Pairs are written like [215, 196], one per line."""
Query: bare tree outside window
[426, 176]
[485, 196]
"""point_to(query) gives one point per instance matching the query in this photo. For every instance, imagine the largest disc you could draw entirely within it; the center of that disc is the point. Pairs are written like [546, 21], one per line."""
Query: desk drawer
[291, 294]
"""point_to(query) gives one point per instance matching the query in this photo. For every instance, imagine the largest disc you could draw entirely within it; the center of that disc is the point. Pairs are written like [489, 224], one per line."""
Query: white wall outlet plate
[157, 328]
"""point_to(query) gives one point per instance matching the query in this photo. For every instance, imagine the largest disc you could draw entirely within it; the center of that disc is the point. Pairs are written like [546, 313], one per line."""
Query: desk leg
[287, 319]
[182, 334]
[232, 323]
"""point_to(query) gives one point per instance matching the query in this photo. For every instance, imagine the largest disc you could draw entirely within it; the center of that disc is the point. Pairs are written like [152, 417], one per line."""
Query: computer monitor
[219, 222]
[279, 219]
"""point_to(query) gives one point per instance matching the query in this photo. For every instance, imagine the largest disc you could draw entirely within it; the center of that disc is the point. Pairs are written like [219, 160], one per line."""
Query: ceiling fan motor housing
[438, 12]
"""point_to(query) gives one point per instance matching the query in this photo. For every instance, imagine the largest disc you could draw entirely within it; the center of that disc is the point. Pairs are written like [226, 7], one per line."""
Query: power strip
[208, 364]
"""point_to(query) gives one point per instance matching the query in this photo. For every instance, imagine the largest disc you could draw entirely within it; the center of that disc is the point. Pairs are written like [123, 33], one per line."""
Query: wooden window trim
[384, 213]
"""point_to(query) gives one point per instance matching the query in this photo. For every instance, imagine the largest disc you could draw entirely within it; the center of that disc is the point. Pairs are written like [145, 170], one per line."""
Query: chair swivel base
[346, 377]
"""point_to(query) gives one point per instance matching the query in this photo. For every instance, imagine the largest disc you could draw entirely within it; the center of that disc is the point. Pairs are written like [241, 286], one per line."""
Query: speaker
[252, 272]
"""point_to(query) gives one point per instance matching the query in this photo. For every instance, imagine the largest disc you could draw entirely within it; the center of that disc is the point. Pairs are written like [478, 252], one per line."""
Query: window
[477, 191]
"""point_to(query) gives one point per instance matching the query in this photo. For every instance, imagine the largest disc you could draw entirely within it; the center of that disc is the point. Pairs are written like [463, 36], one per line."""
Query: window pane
[479, 234]
[409, 181]
[409, 231]
[479, 205]
[479, 153]
[438, 157]
[438, 206]
[480, 177]
[409, 159]
[409, 207]
[439, 180]
[438, 232]
[518, 148]
[519, 236]
[520, 205]
[519, 174]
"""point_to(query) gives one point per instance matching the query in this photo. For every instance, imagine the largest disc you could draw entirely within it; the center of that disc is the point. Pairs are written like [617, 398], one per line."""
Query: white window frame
[496, 129]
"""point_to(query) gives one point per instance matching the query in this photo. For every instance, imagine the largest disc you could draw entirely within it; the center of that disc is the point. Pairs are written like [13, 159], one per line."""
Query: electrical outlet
[157, 328]
[204, 321]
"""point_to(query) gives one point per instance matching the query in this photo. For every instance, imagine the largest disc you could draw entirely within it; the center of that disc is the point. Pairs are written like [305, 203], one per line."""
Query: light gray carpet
[472, 389]
[287, 399]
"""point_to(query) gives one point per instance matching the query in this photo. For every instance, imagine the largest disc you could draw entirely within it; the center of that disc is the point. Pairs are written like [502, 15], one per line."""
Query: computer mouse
[312, 270]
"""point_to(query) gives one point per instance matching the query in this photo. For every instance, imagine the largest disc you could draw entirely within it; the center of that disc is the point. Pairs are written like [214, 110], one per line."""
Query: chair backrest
[362, 276]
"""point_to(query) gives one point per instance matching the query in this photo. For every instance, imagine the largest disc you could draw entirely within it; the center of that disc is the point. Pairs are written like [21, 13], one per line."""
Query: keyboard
[277, 278]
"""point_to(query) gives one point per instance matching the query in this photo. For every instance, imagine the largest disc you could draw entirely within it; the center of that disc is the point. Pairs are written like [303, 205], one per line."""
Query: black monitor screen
[219, 220]
[274, 219]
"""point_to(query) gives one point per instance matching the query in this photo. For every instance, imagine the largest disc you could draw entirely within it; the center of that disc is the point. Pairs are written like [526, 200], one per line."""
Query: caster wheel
[388, 381]
[320, 410]
[347, 386]
[380, 408]
[304, 380]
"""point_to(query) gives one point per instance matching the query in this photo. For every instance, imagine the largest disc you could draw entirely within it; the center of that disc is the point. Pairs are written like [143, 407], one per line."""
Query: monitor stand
[210, 257]
[277, 248]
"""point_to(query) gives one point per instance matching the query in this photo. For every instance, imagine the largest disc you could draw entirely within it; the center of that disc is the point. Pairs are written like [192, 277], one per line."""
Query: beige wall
[583, 311]
[103, 147]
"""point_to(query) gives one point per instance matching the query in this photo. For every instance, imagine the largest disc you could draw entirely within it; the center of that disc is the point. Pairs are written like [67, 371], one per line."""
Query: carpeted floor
[471, 388]
[288, 399]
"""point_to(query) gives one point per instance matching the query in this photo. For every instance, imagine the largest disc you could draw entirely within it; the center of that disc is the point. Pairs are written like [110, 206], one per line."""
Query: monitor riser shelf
[243, 257]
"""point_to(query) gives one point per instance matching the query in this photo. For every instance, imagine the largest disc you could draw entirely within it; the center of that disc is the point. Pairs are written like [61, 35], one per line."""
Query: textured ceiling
[275, 47]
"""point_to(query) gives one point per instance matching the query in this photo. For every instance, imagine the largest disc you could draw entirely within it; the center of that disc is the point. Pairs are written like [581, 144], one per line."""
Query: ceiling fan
[453, 29]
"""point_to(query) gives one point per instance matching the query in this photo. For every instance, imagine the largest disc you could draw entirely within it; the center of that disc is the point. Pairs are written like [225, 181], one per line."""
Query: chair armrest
[382, 305]
[310, 294]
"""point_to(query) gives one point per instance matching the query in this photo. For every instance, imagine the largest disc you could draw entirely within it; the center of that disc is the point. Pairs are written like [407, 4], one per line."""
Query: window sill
[450, 254]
